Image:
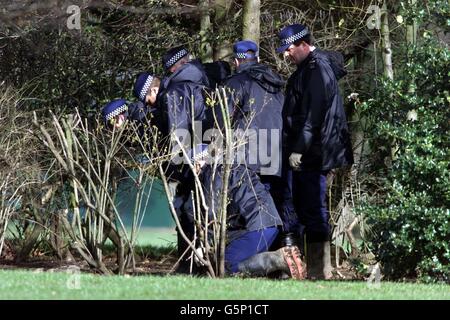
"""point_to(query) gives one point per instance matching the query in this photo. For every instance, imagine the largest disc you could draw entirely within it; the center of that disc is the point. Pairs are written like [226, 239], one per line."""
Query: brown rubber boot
[318, 261]
[296, 266]
[286, 260]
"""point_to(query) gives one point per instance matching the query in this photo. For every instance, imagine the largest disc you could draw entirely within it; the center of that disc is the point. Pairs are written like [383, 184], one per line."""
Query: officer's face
[119, 120]
[297, 53]
[150, 98]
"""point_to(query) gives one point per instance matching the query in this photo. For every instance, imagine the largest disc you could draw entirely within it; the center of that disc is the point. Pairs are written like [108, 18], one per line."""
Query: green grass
[23, 284]
[157, 237]
[155, 242]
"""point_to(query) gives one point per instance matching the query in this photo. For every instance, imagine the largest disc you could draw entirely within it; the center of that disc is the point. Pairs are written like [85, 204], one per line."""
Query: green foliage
[62, 69]
[409, 136]
[433, 10]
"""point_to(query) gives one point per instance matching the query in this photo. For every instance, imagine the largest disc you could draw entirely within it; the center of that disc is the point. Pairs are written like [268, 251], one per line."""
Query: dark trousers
[182, 202]
[280, 189]
[310, 202]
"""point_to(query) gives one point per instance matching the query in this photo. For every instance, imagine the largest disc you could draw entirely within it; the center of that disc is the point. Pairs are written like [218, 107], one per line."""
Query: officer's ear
[305, 45]
[257, 59]
[236, 62]
[173, 68]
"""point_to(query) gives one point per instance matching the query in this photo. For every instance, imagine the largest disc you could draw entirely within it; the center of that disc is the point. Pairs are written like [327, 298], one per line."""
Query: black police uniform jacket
[181, 101]
[182, 96]
[250, 206]
[256, 102]
[315, 124]
[145, 117]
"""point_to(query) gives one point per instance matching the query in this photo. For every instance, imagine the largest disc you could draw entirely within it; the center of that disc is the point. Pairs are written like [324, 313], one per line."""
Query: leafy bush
[60, 69]
[409, 137]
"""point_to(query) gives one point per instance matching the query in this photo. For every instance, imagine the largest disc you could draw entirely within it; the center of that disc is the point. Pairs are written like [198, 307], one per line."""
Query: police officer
[146, 89]
[256, 103]
[316, 133]
[252, 221]
[182, 90]
[182, 100]
[117, 111]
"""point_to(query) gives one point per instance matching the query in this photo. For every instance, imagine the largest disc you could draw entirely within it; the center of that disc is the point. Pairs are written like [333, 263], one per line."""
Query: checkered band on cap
[244, 55]
[295, 37]
[199, 152]
[144, 89]
[116, 111]
[176, 57]
[201, 155]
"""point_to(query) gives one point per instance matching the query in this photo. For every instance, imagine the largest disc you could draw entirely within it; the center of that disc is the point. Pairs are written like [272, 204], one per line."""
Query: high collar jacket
[314, 121]
[256, 101]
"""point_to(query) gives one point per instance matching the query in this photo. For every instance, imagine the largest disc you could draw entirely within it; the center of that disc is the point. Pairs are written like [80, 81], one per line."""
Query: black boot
[262, 264]
[184, 265]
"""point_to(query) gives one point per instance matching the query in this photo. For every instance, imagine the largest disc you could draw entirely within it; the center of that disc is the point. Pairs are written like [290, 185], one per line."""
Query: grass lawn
[158, 237]
[36, 284]
[24, 284]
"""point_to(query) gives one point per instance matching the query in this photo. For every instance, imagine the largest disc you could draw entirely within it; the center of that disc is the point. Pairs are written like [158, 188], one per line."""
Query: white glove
[295, 161]
[200, 251]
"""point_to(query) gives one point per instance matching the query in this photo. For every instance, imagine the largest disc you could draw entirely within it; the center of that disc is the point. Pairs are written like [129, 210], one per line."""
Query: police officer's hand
[295, 161]
[200, 253]
[198, 166]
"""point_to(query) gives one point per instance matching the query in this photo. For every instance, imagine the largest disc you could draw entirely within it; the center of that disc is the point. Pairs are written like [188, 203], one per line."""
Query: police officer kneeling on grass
[252, 221]
[316, 130]
[256, 102]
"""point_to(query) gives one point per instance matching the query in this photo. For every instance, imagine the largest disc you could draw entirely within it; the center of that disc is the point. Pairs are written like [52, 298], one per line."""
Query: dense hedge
[409, 135]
